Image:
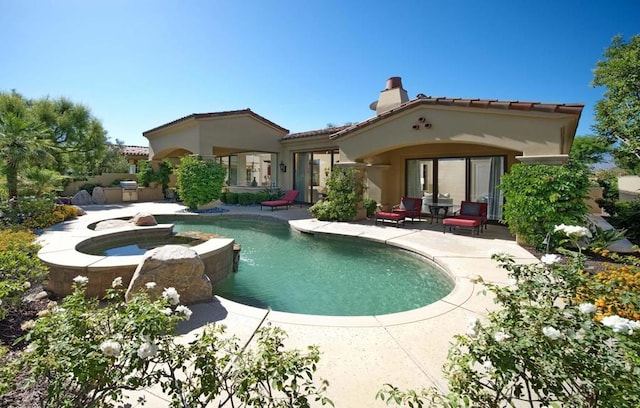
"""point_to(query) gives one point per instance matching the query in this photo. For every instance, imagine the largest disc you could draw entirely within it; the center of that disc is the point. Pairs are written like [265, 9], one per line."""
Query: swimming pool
[315, 274]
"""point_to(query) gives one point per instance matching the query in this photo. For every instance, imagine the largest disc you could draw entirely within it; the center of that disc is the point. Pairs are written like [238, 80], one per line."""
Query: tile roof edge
[563, 108]
[196, 116]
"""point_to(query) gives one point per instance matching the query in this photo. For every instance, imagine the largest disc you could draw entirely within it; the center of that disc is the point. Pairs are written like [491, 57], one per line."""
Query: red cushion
[276, 203]
[389, 215]
[461, 222]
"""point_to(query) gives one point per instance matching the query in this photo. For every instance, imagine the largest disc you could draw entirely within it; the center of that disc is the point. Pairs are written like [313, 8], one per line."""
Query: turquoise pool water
[315, 274]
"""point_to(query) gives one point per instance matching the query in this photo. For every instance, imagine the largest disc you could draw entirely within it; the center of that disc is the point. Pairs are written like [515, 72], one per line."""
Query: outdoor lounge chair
[472, 215]
[287, 200]
[393, 217]
[409, 207]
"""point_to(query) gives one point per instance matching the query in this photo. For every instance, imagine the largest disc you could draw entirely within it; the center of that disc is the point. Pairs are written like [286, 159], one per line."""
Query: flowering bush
[89, 356]
[54, 215]
[614, 290]
[543, 347]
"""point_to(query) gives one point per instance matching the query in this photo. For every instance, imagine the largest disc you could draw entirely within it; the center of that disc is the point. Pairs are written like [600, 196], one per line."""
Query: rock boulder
[144, 220]
[82, 197]
[98, 195]
[172, 266]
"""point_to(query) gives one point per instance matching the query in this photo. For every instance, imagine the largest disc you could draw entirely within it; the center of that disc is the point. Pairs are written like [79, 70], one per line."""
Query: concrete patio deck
[359, 354]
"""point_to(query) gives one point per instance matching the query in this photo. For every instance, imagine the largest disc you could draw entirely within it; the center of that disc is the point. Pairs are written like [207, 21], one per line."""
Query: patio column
[242, 170]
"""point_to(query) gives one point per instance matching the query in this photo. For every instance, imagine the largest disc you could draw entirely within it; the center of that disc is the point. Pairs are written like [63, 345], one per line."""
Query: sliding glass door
[485, 175]
[454, 179]
[311, 170]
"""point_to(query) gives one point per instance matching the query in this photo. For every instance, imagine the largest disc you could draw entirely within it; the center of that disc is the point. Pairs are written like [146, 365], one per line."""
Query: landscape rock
[108, 224]
[98, 195]
[80, 211]
[172, 266]
[144, 220]
[82, 197]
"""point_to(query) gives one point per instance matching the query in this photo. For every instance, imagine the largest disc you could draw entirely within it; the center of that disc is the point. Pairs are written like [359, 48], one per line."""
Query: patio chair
[472, 215]
[409, 207]
[287, 200]
[472, 210]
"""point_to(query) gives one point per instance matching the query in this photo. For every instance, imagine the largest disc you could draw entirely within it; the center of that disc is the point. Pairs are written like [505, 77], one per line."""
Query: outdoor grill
[129, 190]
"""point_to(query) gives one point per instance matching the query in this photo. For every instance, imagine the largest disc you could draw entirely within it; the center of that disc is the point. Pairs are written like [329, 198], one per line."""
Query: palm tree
[22, 143]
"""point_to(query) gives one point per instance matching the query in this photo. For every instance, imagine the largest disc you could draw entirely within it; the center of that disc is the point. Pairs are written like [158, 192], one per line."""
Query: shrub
[370, 205]
[262, 196]
[538, 197]
[223, 196]
[344, 193]
[199, 181]
[246, 198]
[602, 238]
[627, 216]
[608, 180]
[232, 198]
[323, 210]
[273, 193]
[26, 208]
[145, 173]
[88, 355]
[20, 267]
[165, 169]
[542, 347]
[46, 219]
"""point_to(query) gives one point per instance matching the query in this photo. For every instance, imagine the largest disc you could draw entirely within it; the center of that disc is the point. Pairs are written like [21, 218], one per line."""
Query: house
[439, 148]
[135, 154]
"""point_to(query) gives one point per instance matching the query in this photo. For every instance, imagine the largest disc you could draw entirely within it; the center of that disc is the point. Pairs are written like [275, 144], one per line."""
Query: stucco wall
[102, 180]
[184, 137]
[532, 133]
[629, 188]
[218, 136]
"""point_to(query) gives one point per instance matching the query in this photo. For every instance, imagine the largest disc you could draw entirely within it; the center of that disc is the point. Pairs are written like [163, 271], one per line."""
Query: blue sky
[138, 64]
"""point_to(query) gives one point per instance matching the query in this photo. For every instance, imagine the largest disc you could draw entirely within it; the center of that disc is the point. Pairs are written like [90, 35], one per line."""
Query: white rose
[552, 333]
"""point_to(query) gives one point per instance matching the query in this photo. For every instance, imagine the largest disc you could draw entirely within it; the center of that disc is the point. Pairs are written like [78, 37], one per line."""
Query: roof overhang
[574, 109]
[212, 115]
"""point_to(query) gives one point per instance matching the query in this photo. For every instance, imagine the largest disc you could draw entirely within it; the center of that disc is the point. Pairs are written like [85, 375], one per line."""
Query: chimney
[392, 96]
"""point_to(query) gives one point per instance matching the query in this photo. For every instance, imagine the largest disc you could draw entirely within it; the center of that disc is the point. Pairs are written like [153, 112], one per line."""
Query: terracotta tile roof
[129, 150]
[320, 132]
[571, 108]
[216, 115]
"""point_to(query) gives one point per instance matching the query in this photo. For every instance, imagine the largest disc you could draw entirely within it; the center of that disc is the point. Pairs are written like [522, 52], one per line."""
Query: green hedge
[232, 198]
[244, 198]
[538, 197]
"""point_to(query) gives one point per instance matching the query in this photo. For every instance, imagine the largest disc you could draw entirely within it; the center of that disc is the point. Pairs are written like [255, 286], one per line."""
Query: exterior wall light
[283, 167]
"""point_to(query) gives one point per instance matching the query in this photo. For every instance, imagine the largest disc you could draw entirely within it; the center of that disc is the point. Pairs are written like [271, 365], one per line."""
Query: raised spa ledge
[66, 261]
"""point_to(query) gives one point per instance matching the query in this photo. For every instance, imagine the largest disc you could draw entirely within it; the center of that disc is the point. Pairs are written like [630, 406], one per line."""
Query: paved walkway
[359, 354]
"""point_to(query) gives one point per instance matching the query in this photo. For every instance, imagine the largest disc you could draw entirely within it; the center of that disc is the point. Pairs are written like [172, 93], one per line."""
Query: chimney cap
[394, 82]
